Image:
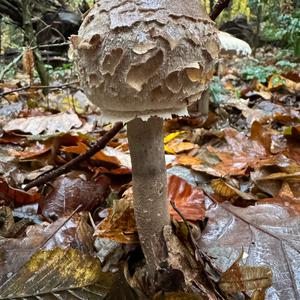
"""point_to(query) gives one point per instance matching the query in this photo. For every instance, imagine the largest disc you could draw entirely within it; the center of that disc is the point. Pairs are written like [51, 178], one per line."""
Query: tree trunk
[149, 186]
[30, 39]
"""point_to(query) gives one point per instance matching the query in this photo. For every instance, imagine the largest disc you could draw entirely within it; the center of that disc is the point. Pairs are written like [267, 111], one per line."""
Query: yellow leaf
[172, 136]
[169, 150]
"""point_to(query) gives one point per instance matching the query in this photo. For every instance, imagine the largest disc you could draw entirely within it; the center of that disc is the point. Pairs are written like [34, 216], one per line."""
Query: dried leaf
[80, 148]
[62, 122]
[120, 224]
[187, 160]
[175, 147]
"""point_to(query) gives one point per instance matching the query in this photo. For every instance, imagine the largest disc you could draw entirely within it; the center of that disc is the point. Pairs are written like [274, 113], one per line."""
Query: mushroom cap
[231, 45]
[145, 58]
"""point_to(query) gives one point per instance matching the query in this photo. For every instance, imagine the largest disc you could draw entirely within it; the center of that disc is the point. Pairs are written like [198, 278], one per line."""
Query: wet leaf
[245, 278]
[71, 190]
[269, 235]
[17, 197]
[63, 273]
[188, 200]
[65, 233]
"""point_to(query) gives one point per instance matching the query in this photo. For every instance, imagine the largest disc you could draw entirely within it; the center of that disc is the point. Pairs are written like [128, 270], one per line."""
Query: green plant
[261, 73]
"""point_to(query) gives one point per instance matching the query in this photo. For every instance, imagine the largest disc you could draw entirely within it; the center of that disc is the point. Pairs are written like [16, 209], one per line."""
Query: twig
[218, 8]
[65, 168]
[10, 65]
[38, 87]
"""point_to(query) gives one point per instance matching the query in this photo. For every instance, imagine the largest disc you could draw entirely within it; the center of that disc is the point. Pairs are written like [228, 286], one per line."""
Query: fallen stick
[218, 8]
[44, 178]
[38, 87]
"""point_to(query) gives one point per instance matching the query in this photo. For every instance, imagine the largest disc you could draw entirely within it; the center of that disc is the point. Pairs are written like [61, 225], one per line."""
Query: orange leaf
[187, 160]
[188, 199]
[179, 147]
[80, 148]
[18, 197]
[106, 158]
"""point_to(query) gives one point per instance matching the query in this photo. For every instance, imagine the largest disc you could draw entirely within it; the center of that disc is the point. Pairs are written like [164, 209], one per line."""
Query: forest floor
[234, 176]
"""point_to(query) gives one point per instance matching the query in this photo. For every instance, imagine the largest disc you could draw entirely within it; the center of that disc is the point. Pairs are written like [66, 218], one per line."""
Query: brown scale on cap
[145, 58]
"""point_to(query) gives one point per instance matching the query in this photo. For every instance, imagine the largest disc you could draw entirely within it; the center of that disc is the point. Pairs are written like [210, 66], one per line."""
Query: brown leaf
[61, 122]
[65, 273]
[16, 197]
[71, 190]
[244, 278]
[80, 148]
[64, 233]
[188, 199]
[269, 235]
[187, 160]
[32, 151]
[120, 224]
[176, 146]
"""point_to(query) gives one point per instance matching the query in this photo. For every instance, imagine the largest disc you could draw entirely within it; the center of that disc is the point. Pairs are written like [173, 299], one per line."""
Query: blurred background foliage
[262, 23]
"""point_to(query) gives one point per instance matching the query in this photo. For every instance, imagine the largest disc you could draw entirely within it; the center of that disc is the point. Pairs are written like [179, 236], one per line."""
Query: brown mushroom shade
[141, 61]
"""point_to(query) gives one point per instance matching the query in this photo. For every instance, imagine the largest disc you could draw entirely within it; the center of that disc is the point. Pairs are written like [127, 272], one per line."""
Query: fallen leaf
[80, 148]
[59, 273]
[269, 235]
[172, 136]
[65, 233]
[188, 200]
[187, 160]
[17, 197]
[175, 147]
[61, 122]
[245, 278]
[71, 190]
[120, 224]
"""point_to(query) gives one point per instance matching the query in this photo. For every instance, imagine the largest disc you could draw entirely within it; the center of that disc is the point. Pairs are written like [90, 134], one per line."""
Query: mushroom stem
[149, 186]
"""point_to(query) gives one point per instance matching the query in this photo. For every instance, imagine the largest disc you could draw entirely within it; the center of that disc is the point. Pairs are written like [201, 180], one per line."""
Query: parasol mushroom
[142, 61]
[229, 46]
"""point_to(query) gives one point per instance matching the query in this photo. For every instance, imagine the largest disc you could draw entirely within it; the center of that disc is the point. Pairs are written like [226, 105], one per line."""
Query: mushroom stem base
[149, 186]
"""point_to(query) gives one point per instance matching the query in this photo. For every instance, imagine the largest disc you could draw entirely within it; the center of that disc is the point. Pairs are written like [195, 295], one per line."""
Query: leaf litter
[234, 183]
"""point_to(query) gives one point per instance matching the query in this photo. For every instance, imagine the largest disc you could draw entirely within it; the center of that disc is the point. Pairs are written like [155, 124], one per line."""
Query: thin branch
[39, 87]
[10, 65]
[69, 165]
[218, 8]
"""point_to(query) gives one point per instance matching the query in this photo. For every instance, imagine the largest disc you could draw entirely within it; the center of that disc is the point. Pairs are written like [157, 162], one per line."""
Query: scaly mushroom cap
[145, 58]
